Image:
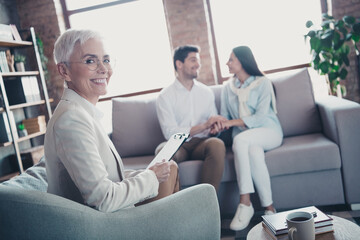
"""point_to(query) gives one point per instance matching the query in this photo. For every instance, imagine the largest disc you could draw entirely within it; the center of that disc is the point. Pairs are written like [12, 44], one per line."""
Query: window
[137, 35]
[274, 30]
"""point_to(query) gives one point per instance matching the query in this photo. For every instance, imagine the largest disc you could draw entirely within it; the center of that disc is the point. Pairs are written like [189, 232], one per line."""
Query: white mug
[301, 226]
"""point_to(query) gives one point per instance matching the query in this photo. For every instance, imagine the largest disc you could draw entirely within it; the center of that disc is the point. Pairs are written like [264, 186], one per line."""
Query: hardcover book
[277, 222]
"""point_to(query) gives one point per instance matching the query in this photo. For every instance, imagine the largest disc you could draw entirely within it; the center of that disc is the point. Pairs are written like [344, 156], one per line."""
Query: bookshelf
[7, 105]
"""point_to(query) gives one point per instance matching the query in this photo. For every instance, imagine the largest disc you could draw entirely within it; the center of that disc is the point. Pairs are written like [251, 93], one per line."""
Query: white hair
[64, 45]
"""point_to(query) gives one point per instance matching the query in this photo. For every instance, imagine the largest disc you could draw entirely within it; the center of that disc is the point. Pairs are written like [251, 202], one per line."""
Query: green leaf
[343, 73]
[326, 16]
[325, 25]
[355, 37]
[326, 43]
[324, 67]
[349, 20]
[309, 24]
[315, 44]
[332, 76]
[311, 33]
[356, 28]
[340, 24]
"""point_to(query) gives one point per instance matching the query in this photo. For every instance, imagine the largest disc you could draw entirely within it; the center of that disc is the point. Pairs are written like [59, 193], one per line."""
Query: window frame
[221, 78]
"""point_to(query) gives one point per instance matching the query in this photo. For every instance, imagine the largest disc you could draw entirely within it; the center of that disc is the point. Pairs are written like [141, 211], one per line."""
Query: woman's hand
[161, 170]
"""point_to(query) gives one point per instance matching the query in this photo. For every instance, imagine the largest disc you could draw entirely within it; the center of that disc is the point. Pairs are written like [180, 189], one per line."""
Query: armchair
[28, 212]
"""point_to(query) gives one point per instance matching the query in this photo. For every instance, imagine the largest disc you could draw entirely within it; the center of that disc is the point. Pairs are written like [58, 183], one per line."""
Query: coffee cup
[301, 226]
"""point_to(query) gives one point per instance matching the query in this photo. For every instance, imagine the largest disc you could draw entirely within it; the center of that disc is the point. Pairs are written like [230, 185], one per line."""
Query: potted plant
[330, 46]
[20, 62]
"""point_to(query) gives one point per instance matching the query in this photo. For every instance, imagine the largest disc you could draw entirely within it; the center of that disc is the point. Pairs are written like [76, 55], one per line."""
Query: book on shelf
[3, 62]
[5, 133]
[34, 125]
[6, 32]
[15, 32]
[276, 223]
[22, 89]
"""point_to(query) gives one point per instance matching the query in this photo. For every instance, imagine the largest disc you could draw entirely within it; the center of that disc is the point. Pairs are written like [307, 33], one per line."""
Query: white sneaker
[269, 212]
[242, 217]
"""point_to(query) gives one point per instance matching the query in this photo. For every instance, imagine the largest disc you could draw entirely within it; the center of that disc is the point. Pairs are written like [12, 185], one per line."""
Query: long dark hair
[247, 60]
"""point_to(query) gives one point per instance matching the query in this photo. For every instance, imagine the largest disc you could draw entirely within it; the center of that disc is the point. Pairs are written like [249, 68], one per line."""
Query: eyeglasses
[93, 64]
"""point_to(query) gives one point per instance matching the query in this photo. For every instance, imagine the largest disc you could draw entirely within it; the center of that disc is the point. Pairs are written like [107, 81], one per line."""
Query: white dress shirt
[83, 165]
[179, 109]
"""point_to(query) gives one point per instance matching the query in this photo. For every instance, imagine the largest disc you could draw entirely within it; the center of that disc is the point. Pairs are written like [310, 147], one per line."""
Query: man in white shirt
[188, 106]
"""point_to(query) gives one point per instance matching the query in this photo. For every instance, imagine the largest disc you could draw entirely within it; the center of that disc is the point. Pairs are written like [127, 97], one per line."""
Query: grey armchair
[28, 212]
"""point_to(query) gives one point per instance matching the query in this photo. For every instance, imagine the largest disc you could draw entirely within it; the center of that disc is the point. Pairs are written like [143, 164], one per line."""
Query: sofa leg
[355, 206]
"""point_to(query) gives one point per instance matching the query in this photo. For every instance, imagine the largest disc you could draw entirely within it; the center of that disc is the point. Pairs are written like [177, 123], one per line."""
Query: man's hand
[215, 124]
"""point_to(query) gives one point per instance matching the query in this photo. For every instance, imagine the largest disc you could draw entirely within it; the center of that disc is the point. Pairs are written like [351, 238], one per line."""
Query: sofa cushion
[297, 111]
[300, 154]
[34, 178]
[136, 129]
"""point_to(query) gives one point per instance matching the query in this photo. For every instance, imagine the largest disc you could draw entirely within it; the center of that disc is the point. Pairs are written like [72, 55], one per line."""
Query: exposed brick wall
[41, 15]
[341, 8]
[187, 24]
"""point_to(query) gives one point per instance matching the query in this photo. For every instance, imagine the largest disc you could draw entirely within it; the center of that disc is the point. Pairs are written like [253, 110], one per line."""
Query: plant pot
[20, 67]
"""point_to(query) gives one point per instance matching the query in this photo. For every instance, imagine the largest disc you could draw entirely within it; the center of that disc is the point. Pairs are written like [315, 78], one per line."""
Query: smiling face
[190, 67]
[234, 64]
[88, 83]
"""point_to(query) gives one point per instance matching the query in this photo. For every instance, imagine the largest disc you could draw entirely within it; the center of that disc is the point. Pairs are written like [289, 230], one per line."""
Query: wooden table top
[343, 230]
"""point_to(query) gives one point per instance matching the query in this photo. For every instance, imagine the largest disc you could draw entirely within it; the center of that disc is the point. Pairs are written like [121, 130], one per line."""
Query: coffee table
[343, 229]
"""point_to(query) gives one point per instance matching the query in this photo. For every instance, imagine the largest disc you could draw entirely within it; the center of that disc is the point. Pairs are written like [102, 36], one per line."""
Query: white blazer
[83, 165]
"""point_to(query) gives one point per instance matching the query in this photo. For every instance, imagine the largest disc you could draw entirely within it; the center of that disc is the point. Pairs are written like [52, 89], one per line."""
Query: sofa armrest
[192, 213]
[341, 120]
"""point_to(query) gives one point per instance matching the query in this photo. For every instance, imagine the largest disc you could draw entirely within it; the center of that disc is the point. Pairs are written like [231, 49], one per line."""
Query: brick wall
[341, 8]
[187, 23]
[42, 15]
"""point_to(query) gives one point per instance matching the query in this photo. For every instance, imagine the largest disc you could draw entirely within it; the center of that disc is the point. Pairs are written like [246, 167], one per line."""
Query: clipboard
[170, 148]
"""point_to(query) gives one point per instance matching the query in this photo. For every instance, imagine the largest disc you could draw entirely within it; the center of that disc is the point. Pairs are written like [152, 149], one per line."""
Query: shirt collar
[245, 84]
[179, 85]
[71, 95]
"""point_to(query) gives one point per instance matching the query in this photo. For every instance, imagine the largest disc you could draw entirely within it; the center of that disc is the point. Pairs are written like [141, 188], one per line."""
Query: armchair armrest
[192, 213]
[341, 119]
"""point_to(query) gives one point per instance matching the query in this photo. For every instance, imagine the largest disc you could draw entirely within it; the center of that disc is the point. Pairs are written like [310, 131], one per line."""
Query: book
[23, 89]
[3, 62]
[34, 125]
[5, 133]
[277, 222]
[15, 32]
[284, 236]
[6, 32]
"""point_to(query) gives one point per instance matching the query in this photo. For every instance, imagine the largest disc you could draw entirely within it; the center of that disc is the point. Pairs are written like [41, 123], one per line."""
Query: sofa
[317, 164]
[28, 212]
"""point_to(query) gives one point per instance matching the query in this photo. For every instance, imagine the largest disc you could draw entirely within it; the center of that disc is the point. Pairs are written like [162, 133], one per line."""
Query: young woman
[248, 102]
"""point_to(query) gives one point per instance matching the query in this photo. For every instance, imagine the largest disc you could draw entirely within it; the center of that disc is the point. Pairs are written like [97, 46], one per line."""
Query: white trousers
[249, 159]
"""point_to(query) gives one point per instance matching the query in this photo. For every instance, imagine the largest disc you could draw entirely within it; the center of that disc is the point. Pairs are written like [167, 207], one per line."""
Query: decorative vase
[20, 67]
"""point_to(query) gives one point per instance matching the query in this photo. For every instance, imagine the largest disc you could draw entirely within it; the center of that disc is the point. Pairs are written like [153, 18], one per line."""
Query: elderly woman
[248, 101]
[82, 164]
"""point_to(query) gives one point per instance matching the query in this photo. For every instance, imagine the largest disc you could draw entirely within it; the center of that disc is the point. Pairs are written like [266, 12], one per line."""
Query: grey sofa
[28, 212]
[317, 164]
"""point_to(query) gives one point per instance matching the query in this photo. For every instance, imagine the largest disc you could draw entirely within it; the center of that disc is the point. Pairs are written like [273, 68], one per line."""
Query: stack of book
[34, 125]
[275, 225]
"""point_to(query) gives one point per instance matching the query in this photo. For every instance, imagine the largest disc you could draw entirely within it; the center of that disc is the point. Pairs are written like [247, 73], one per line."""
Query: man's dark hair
[182, 52]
